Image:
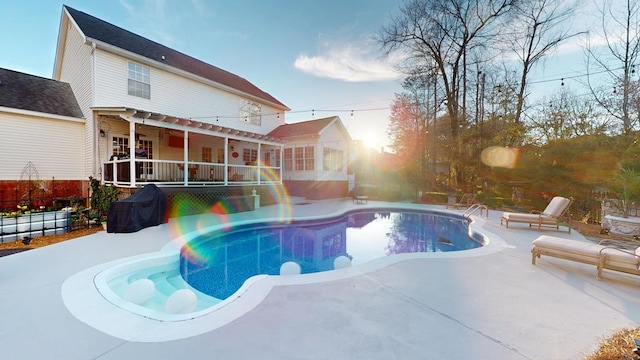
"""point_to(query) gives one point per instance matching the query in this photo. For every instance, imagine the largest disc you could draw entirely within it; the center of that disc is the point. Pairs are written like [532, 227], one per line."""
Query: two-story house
[155, 115]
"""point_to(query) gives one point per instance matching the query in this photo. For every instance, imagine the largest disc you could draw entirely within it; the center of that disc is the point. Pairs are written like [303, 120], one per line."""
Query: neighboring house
[42, 138]
[188, 122]
[315, 157]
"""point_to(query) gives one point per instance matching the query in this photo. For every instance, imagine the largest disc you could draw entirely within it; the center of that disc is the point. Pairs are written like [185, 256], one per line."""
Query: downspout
[96, 160]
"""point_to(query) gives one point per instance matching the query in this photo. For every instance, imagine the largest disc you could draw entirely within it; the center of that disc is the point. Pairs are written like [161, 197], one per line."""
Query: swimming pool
[218, 263]
[127, 297]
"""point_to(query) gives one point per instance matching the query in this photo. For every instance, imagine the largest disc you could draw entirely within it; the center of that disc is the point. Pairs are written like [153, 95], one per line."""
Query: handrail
[473, 208]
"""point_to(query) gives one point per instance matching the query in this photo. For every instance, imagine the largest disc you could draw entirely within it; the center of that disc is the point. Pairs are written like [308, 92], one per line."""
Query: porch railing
[172, 173]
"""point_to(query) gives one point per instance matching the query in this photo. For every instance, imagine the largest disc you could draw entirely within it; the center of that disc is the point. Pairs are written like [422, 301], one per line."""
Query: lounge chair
[466, 200]
[602, 256]
[552, 216]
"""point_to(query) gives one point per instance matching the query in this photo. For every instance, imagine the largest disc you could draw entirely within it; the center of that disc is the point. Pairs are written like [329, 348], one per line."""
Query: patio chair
[552, 216]
[602, 256]
[466, 200]
[359, 197]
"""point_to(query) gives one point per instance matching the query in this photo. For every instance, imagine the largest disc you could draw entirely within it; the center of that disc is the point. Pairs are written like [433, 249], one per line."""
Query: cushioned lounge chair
[466, 200]
[602, 256]
[552, 216]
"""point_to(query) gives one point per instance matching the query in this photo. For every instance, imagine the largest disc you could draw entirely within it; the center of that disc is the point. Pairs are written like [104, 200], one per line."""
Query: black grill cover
[144, 208]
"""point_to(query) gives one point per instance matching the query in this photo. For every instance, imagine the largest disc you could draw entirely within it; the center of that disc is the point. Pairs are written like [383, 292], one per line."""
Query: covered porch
[137, 147]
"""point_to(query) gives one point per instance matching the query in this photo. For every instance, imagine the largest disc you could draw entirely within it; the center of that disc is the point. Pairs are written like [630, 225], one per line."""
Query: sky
[310, 55]
[319, 58]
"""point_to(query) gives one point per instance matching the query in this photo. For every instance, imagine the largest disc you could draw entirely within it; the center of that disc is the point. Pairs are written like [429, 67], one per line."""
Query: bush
[101, 197]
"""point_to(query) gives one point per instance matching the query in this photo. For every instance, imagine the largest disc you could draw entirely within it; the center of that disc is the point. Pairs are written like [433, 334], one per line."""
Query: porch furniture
[144, 208]
[601, 256]
[359, 197]
[466, 200]
[552, 216]
[193, 170]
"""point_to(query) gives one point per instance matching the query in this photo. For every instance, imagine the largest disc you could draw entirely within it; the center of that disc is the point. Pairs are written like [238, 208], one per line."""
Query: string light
[353, 111]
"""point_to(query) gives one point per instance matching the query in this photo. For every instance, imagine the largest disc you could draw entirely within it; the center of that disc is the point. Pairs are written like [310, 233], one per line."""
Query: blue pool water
[217, 264]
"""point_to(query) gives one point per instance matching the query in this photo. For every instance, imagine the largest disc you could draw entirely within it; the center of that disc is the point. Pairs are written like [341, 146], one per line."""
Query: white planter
[618, 225]
[36, 224]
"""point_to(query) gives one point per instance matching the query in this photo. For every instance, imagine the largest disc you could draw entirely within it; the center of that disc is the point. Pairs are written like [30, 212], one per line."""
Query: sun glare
[370, 140]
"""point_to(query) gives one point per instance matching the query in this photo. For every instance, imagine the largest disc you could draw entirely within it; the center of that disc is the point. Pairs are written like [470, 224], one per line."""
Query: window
[251, 112]
[139, 81]
[288, 159]
[277, 158]
[147, 147]
[304, 158]
[249, 155]
[299, 153]
[266, 159]
[309, 158]
[120, 146]
[332, 159]
[207, 154]
[220, 156]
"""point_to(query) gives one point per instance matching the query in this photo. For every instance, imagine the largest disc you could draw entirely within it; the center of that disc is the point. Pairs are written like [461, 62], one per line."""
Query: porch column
[259, 162]
[185, 158]
[132, 152]
[281, 161]
[226, 161]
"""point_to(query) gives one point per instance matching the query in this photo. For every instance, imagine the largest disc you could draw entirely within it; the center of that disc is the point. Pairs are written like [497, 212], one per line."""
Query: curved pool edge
[85, 296]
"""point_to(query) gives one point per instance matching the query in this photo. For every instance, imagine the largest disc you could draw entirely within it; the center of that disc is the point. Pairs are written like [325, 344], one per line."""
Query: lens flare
[498, 156]
[218, 214]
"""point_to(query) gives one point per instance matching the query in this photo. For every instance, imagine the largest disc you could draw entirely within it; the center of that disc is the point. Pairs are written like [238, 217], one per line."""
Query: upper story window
[251, 112]
[139, 82]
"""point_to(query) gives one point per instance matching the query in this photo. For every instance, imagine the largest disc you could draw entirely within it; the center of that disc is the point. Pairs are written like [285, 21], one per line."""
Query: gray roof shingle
[28, 92]
[105, 32]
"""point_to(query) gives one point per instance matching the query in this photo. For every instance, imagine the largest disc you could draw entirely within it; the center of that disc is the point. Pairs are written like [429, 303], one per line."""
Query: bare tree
[440, 33]
[615, 59]
[566, 115]
[540, 27]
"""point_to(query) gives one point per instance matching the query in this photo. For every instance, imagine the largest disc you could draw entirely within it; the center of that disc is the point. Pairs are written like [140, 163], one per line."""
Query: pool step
[167, 280]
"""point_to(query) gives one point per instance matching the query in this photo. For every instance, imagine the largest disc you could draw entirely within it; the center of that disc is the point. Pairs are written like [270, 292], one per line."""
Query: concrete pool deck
[494, 306]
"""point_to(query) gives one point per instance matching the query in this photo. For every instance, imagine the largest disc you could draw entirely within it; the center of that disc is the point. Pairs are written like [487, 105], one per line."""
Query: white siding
[56, 148]
[331, 137]
[334, 138]
[175, 95]
[76, 70]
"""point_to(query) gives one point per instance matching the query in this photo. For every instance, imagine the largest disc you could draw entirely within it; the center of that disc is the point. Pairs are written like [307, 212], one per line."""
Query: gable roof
[105, 32]
[33, 93]
[306, 128]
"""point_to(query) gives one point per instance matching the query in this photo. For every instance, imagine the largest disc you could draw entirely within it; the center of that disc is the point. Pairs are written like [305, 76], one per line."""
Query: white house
[190, 123]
